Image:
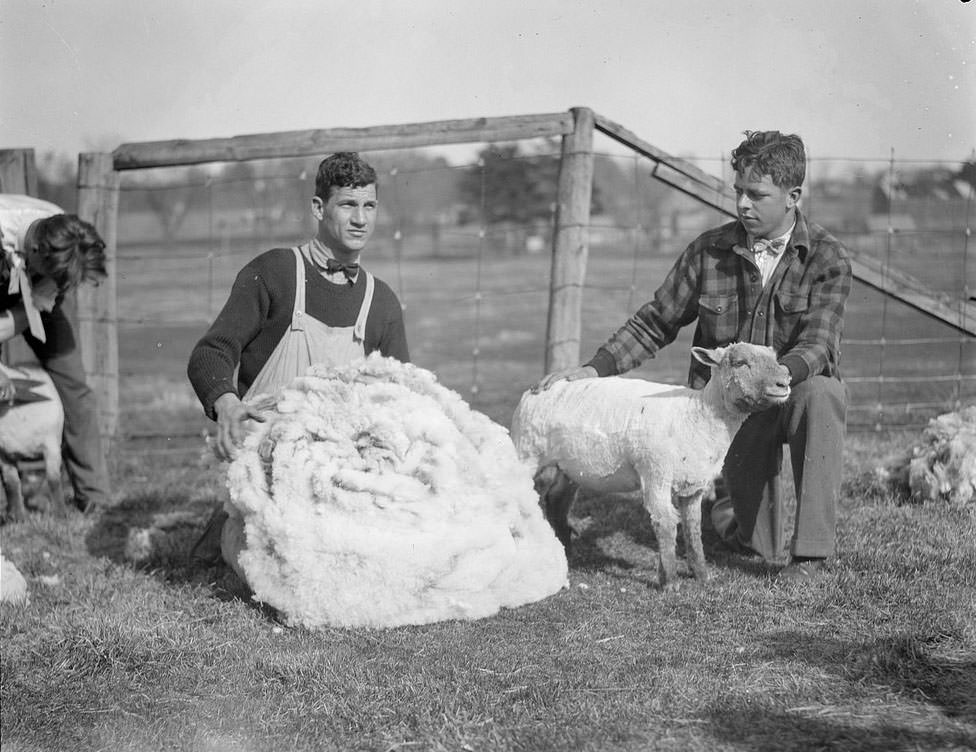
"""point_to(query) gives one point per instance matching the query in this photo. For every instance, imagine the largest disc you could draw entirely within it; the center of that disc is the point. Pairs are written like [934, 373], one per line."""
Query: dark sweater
[259, 310]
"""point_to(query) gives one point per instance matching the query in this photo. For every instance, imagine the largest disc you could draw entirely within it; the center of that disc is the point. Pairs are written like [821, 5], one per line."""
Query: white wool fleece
[374, 496]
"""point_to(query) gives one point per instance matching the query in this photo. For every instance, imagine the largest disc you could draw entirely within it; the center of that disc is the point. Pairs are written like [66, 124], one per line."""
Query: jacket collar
[734, 234]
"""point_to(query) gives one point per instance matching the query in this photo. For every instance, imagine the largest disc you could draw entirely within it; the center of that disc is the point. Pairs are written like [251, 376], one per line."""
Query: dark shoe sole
[802, 571]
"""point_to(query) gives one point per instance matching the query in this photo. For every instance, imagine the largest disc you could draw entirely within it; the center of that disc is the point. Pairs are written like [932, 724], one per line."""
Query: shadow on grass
[154, 532]
[586, 555]
[918, 667]
[773, 729]
[112, 534]
[596, 518]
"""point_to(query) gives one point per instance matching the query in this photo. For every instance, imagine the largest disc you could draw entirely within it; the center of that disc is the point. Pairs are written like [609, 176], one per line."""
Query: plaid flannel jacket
[799, 313]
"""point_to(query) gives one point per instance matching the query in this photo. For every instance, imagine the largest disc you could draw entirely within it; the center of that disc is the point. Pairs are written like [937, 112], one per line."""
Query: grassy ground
[879, 654]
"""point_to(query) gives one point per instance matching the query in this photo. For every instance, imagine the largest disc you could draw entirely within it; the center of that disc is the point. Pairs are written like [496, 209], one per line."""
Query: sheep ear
[708, 357]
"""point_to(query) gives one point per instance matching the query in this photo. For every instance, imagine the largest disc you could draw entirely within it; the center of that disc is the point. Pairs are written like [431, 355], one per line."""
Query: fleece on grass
[941, 466]
[374, 496]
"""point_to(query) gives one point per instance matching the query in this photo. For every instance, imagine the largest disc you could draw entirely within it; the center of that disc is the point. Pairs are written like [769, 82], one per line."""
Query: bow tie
[350, 270]
[773, 247]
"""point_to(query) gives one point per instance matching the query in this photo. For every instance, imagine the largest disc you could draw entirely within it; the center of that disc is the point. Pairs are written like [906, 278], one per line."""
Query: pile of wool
[13, 586]
[374, 496]
[942, 465]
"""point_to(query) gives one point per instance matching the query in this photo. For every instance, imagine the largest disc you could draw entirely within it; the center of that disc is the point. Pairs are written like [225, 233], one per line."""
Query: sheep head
[750, 375]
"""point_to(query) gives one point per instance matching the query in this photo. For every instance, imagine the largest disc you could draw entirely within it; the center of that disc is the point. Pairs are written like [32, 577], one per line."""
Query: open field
[478, 321]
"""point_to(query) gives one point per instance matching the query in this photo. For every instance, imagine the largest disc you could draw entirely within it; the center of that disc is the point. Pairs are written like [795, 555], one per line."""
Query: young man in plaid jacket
[773, 278]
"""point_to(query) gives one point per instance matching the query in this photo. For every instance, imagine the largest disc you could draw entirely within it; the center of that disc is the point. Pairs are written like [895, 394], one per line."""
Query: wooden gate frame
[98, 201]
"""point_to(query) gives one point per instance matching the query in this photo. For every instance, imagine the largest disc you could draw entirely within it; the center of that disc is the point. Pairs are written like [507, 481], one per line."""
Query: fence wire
[469, 256]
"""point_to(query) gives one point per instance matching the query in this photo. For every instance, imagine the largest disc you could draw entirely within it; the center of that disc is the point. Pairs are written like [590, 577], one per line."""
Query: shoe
[723, 521]
[735, 545]
[722, 516]
[802, 570]
[86, 505]
[207, 550]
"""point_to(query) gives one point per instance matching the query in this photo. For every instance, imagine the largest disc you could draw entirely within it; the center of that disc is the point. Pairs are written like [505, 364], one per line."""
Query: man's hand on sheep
[569, 374]
[231, 416]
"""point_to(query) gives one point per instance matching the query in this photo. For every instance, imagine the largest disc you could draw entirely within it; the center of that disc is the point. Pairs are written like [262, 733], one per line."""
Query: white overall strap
[297, 324]
[359, 330]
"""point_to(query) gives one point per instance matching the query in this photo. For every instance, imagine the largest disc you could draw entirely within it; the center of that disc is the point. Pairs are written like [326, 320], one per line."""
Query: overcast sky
[856, 78]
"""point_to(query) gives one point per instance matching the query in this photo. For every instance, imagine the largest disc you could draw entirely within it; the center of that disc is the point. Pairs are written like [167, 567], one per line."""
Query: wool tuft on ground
[13, 586]
[373, 496]
[941, 465]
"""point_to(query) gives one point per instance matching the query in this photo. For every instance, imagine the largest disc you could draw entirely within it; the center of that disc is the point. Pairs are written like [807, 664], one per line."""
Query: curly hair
[70, 251]
[779, 155]
[344, 169]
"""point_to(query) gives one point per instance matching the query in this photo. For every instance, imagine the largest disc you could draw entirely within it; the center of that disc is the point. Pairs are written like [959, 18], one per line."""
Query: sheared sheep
[623, 435]
[31, 428]
[373, 496]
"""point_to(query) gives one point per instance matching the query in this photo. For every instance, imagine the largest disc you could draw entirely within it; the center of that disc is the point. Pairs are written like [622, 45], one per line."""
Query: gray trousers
[83, 454]
[812, 424]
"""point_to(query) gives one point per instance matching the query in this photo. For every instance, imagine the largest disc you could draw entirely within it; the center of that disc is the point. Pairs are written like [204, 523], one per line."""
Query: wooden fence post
[98, 203]
[570, 245]
[18, 173]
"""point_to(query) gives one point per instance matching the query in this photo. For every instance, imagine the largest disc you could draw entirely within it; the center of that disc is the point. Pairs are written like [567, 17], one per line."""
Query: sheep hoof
[16, 512]
[670, 586]
[49, 505]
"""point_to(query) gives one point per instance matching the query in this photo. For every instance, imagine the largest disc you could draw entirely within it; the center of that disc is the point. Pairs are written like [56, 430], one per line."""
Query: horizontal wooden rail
[133, 156]
[959, 314]
[692, 173]
[720, 199]
[709, 190]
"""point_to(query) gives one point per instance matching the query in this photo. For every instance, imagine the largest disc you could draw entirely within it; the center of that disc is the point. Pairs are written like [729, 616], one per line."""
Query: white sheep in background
[373, 496]
[31, 430]
[612, 435]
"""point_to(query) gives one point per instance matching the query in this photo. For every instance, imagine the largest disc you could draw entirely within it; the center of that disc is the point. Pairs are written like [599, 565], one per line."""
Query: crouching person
[290, 308]
[770, 278]
[46, 255]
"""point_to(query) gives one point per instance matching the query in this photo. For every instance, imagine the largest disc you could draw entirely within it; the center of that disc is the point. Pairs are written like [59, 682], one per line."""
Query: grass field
[878, 655]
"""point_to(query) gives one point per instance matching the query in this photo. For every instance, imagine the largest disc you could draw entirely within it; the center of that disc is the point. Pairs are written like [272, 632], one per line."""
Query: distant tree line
[510, 184]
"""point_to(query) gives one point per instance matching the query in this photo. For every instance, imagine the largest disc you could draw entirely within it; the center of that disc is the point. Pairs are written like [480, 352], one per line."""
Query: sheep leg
[657, 502]
[556, 495]
[690, 508]
[52, 476]
[16, 511]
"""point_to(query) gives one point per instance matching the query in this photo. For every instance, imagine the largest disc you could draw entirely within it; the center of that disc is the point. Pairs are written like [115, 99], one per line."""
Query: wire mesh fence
[466, 245]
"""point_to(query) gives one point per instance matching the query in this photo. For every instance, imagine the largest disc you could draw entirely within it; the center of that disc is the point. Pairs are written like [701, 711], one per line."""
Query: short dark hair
[779, 155]
[70, 250]
[344, 169]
